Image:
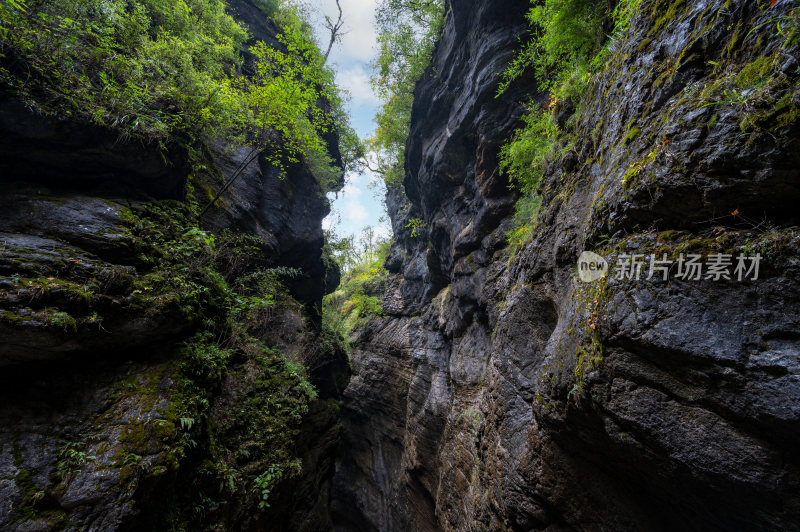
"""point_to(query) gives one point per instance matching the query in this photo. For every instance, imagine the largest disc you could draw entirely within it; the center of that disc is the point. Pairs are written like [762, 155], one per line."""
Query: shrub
[567, 46]
[172, 70]
[358, 296]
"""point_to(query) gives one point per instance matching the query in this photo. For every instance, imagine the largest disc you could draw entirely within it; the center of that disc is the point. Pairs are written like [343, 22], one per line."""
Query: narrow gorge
[167, 357]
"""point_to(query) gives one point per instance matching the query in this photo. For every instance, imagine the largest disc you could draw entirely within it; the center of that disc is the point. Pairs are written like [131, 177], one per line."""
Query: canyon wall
[114, 413]
[500, 392]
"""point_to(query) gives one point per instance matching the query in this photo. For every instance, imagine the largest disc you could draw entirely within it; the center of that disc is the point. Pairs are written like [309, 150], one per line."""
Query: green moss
[159, 395]
[674, 243]
[644, 44]
[754, 73]
[597, 132]
[262, 430]
[786, 112]
[631, 135]
[633, 178]
[702, 246]
[26, 510]
[60, 319]
[10, 317]
[666, 70]
[173, 399]
[670, 15]
[31, 495]
[42, 288]
[732, 48]
[158, 471]
[772, 243]
[579, 350]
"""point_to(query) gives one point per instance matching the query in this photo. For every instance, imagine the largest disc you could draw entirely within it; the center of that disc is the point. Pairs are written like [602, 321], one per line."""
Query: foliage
[531, 147]
[408, 30]
[525, 212]
[786, 26]
[340, 250]
[416, 225]
[570, 41]
[358, 295]
[260, 433]
[469, 418]
[128, 64]
[762, 93]
[284, 97]
[591, 302]
[269, 7]
[204, 361]
[172, 72]
[166, 71]
[72, 458]
[346, 251]
[298, 371]
[236, 296]
[525, 158]
[266, 480]
[569, 33]
[335, 332]
[61, 320]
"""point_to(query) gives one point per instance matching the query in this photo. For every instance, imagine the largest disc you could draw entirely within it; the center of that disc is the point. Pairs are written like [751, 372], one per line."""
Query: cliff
[153, 364]
[500, 392]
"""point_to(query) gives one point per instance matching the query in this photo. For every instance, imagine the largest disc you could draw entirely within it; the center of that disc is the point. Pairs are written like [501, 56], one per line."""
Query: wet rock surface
[77, 156]
[502, 393]
[282, 210]
[91, 378]
[95, 426]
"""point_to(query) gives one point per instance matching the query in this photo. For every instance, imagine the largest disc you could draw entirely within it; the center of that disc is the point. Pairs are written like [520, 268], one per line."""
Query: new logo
[591, 267]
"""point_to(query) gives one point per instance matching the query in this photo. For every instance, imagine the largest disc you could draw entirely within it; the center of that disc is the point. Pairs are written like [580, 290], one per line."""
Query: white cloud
[383, 231]
[355, 80]
[350, 190]
[354, 212]
[357, 205]
[357, 179]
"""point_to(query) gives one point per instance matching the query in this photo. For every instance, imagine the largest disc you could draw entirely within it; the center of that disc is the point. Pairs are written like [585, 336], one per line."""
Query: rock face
[91, 349]
[96, 423]
[500, 392]
[75, 156]
[283, 211]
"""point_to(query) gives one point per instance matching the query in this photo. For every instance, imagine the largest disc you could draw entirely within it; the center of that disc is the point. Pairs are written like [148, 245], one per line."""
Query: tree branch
[376, 169]
[335, 29]
[249, 158]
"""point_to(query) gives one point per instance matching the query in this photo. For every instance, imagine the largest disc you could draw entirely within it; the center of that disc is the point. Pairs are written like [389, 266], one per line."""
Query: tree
[367, 239]
[342, 249]
[408, 30]
[286, 121]
[335, 29]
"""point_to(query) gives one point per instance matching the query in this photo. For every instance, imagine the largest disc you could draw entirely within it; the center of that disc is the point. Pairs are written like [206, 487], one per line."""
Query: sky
[358, 204]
